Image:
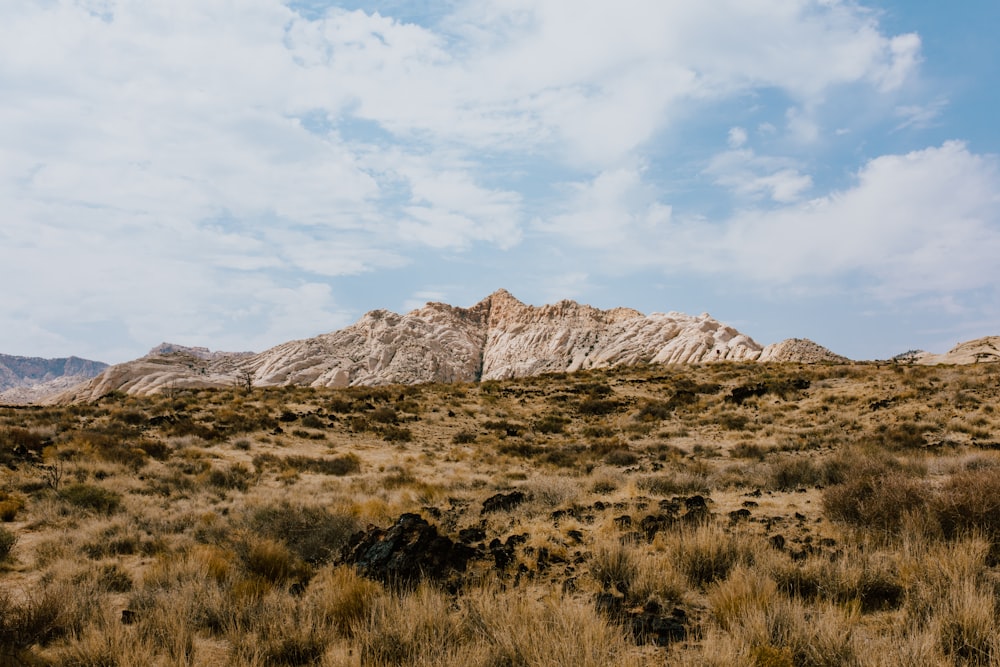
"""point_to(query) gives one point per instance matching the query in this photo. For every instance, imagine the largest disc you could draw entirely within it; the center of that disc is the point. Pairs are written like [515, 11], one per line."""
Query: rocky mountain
[499, 337]
[969, 352]
[26, 379]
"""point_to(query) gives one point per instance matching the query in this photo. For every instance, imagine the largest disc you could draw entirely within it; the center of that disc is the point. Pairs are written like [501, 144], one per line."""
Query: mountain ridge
[26, 379]
[498, 337]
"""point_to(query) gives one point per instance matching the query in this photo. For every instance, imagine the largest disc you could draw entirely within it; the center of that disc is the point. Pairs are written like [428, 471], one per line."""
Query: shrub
[345, 464]
[621, 457]
[794, 472]
[597, 406]
[969, 502]
[384, 416]
[10, 505]
[397, 434]
[614, 566]
[908, 435]
[733, 421]
[312, 532]
[7, 542]
[269, 559]
[235, 477]
[19, 444]
[876, 502]
[708, 552]
[89, 496]
[33, 621]
[551, 423]
[464, 438]
[654, 411]
[504, 427]
[342, 596]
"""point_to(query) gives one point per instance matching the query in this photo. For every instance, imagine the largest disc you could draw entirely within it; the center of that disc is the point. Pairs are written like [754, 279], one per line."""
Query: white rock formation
[800, 350]
[499, 337]
[980, 350]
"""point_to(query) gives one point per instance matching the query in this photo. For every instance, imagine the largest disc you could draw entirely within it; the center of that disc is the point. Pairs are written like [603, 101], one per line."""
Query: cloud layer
[220, 174]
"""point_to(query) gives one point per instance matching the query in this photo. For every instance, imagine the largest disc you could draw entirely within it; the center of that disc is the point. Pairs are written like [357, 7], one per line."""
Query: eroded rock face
[499, 337]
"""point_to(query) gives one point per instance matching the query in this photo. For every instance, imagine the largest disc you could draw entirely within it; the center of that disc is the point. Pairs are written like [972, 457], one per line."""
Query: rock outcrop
[976, 351]
[800, 350]
[499, 337]
[26, 379]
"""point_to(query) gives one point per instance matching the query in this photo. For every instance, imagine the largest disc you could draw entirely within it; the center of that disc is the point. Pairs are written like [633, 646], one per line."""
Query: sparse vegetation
[726, 514]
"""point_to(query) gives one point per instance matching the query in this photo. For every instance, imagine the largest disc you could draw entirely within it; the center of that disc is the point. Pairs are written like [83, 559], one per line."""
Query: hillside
[706, 514]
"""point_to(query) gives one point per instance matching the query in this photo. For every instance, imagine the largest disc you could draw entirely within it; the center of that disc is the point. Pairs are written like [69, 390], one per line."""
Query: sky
[238, 173]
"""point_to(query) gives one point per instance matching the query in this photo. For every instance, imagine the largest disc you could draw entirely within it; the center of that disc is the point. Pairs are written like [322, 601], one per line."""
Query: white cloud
[219, 163]
[750, 175]
[919, 116]
[737, 137]
[609, 211]
[802, 126]
[927, 221]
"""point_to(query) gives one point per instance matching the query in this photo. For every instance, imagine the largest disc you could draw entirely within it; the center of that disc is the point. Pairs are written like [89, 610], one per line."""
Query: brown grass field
[725, 514]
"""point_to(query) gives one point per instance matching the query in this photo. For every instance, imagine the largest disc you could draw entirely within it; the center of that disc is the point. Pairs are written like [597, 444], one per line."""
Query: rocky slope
[26, 379]
[499, 337]
[970, 352]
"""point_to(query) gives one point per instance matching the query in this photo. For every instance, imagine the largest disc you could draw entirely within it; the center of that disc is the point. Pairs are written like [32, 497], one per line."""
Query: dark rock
[739, 515]
[129, 616]
[697, 509]
[504, 552]
[654, 523]
[652, 627]
[695, 504]
[648, 624]
[575, 535]
[623, 521]
[470, 535]
[503, 501]
[749, 504]
[406, 553]
[777, 541]
[671, 507]
[610, 605]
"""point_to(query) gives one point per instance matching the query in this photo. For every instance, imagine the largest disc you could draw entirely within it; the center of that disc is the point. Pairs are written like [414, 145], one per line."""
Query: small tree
[244, 380]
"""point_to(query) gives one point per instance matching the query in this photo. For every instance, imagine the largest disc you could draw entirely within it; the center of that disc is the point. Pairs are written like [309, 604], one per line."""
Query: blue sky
[238, 174]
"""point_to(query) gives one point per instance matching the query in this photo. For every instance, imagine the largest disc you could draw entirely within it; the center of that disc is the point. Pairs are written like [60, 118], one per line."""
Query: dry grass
[728, 514]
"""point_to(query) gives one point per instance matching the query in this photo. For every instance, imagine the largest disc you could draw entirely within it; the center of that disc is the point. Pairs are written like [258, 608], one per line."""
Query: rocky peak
[499, 337]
